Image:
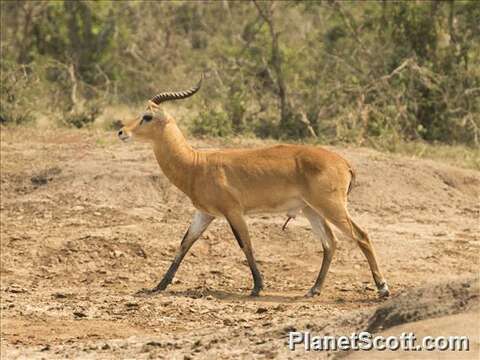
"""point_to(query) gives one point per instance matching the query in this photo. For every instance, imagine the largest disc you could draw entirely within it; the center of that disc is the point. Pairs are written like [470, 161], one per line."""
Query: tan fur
[233, 183]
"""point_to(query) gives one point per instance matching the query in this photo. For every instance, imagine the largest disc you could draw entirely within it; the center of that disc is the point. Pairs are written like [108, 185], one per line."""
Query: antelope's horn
[178, 95]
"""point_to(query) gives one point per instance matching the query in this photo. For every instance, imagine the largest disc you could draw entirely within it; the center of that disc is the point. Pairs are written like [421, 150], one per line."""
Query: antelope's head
[154, 119]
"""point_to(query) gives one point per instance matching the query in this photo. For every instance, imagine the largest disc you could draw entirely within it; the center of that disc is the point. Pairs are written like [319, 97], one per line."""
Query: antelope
[233, 183]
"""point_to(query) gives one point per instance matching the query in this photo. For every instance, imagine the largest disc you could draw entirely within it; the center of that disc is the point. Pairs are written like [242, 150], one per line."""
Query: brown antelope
[234, 183]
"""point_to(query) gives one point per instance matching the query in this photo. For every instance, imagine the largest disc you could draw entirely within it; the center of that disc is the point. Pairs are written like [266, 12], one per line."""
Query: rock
[154, 343]
[59, 295]
[197, 344]
[118, 253]
[45, 176]
[132, 305]
[79, 314]
[15, 289]
[39, 180]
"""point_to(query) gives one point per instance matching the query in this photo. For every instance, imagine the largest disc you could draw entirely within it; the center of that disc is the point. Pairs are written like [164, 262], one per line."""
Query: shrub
[82, 117]
[212, 123]
[15, 105]
[265, 127]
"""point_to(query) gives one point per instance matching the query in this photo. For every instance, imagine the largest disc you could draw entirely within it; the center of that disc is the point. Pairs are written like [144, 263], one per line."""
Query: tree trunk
[276, 61]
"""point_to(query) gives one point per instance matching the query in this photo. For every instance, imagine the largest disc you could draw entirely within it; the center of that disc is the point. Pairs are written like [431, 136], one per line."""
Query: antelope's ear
[117, 124]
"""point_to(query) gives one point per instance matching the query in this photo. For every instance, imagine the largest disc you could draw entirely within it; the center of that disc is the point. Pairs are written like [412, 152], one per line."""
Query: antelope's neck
[175, 157]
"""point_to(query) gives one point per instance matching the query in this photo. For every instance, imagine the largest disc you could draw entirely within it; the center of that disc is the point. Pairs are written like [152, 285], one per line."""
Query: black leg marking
[184, 237]
[286, 223]
[199, 223]
[236, 236]
[247, 249]
[168, 277]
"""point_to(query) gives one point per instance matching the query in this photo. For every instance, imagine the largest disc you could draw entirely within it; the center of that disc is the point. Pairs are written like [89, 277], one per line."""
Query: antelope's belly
[291, 206]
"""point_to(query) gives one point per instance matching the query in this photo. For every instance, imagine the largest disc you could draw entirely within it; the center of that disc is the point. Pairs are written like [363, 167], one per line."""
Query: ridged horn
[177, 95]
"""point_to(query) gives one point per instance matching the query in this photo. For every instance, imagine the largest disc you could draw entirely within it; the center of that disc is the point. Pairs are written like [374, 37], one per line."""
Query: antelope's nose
[122, 134]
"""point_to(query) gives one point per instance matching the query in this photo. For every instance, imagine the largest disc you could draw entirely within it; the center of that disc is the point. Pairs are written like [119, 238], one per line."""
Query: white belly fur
[291, 207]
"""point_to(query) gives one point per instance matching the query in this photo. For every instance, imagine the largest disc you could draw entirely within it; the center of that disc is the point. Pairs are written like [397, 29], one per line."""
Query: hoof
[255, 292]
[312, 293]
[147, 292]
[383, 291]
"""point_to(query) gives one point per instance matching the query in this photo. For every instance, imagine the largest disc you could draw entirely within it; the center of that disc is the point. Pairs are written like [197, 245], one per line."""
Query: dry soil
[87, 221]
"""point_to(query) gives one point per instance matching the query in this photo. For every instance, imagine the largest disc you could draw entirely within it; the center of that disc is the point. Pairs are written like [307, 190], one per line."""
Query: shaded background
[374, 73]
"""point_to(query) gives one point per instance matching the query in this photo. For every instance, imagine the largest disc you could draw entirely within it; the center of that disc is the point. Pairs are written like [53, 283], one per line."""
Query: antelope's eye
[147, 118]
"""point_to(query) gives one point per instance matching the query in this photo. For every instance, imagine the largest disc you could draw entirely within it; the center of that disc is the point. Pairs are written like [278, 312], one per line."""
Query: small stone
[39, 180]
[15, 289]
[154, 343]
[261, 310]
[79, 314]
[117, 253]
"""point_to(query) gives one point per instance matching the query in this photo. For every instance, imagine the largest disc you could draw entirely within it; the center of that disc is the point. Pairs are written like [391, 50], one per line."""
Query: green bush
[13, 115]
[15, 94]
[265, 127]
[377, 70]
[212, 123]
[83, 117]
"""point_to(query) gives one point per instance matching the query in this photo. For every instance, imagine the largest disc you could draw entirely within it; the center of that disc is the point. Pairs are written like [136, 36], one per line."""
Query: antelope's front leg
[199, 223]
[240, 231]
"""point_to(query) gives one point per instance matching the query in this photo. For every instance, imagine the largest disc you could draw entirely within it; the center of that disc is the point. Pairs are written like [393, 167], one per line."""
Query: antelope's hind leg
[335, 213]
[368, 250]
[322, 230]
[199, 223]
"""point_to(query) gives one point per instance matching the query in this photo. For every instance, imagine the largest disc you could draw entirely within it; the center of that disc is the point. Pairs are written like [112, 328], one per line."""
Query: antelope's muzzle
[123, 135]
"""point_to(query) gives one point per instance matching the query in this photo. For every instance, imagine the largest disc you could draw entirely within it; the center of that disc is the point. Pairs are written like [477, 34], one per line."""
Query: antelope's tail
[352, 180]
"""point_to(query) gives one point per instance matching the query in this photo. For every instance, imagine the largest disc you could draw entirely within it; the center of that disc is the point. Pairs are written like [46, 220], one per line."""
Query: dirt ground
[87, 221]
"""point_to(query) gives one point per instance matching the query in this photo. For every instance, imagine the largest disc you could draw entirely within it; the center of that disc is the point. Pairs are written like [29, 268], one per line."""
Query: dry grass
[457, 155]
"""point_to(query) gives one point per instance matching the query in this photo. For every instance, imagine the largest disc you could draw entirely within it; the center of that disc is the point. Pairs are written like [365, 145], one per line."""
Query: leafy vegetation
[213, 123]
[371, 73]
